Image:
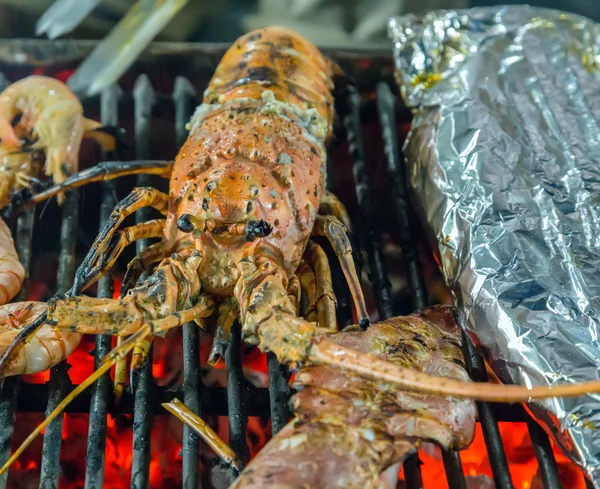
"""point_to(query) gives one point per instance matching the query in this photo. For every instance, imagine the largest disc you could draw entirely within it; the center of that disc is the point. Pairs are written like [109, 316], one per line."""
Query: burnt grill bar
[544, 455]
[59, 378]
[96, 445]
[236, 396]
[387, 110]
[489, 424]
[141, 379]
[278, 393]
[183, 97]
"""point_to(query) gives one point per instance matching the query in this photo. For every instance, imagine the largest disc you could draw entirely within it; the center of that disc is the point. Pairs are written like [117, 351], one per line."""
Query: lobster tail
[279, 60]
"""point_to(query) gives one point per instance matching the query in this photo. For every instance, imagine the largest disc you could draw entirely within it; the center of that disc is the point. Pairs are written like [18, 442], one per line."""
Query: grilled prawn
[46, 349]
[246, 195]
[50, 114]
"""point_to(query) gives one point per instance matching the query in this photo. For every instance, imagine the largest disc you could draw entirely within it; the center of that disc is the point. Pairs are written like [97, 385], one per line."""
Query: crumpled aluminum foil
[504, 163]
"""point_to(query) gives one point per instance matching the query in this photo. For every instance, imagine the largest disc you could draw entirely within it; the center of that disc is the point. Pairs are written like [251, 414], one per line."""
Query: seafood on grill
[348, 430]
[41, 113]
[246, 196]
[46, 349]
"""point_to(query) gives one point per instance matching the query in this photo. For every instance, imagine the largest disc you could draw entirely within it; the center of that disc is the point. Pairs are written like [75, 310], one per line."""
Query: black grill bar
[144, 98]
[236, 396]
[96, 446]
[372, 243]
[544, 455]
[278, 393]
[386, 105]
[59, 378]
[8, 404]
[183, 96]
[489, 425]
[454, 471]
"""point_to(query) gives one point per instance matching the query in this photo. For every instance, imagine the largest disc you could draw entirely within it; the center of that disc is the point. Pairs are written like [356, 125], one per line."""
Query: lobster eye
[205, 203]
[184, 223]
[250, 207]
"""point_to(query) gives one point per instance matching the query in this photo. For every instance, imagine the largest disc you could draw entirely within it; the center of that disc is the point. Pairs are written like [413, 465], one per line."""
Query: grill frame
[371, 70]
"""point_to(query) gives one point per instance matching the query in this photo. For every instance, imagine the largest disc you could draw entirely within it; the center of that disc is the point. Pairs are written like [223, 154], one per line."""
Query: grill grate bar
[59, 378]
[96, 446]
[8, 404]
[454, 471]
[372, 243]
[489, 424]
[9, 387]
[386, 105]
[236, 396]
[183, 96]
[278, 393]
[544, 455]
[141, 382]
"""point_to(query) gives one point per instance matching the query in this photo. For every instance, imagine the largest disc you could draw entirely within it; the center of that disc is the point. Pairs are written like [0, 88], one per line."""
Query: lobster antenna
[111, 359]
[366, 365]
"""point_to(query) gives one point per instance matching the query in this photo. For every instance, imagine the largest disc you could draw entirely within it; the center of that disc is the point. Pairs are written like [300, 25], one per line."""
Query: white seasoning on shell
[284, 159]
[297, 440]
[369, 434]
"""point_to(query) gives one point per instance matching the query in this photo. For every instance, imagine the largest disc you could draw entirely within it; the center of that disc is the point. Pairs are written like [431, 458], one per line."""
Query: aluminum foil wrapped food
[504, 163]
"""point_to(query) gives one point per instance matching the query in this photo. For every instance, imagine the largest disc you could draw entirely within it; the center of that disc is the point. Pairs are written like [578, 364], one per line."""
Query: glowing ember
[519, 453]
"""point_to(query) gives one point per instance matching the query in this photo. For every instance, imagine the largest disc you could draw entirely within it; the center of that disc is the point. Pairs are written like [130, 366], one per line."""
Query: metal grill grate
[238, 400]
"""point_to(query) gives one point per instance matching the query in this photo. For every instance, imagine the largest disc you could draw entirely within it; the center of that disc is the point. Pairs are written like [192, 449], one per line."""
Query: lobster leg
[108, 170]
[203, 308]
[331, 205]
[141, 352]
[309, 286]
[228, 313]
[325, 298]
[333, 229]
[294, 291]
[119, 241]
[267, 314]
[138, 198]
[154, 253]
